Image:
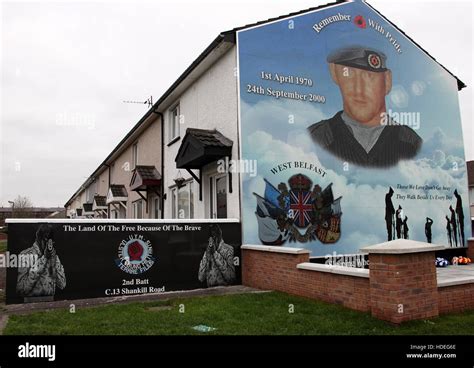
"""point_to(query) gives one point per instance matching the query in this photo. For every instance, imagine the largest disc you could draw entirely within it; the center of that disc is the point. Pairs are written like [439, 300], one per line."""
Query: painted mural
[355, 132]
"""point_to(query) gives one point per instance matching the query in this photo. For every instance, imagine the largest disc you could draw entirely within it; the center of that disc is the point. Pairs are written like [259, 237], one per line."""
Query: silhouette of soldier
[460, 214]
[399, 222]
[389, 214]
[428, 224]
[454, 226]
[448, 229]
[405, 228]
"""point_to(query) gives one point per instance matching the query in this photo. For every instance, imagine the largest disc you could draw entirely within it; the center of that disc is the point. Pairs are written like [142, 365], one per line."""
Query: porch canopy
[117, 195]
[201, 147]
[88, 212]
[99, 205]
[146, 179]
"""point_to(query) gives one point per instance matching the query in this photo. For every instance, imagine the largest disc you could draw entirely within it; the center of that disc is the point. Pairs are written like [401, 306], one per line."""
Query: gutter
[162, 186]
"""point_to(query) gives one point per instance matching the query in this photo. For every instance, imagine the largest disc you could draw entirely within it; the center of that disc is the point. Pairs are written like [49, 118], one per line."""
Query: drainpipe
[108, 187]
[162, 197]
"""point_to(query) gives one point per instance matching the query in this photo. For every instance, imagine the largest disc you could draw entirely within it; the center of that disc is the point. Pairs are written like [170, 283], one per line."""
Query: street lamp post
[13, 207]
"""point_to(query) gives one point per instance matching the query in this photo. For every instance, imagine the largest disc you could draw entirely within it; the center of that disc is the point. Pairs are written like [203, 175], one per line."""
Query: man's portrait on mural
[363, 133]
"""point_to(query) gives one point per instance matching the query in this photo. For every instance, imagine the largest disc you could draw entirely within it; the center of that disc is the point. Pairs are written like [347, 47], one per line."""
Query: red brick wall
[278, 271]
[271, 271]
[406, 286]
[403, 279]
[350, 291]
[457, 298]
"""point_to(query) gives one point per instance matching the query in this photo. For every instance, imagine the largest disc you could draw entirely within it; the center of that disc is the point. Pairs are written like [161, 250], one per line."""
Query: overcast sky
[66, 67]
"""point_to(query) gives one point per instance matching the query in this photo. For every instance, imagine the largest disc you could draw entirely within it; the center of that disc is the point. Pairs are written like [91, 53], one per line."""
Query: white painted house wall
[209, 103]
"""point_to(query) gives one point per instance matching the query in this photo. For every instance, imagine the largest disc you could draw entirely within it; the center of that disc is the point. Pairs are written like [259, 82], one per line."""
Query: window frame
[135, 209]
[154, 199]
[174, 120]
[134, 155]
[213, 194]
[174, 193]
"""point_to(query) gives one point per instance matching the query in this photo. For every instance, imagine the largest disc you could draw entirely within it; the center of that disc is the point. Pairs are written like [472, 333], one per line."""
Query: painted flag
[328, 197]
[336, 206]
[271, 193]
[268, 231]
[266, 208]
[301, 207]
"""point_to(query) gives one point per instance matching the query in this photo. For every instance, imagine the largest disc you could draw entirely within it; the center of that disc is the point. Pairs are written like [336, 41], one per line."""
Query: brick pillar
[403, 283]
[470, 248]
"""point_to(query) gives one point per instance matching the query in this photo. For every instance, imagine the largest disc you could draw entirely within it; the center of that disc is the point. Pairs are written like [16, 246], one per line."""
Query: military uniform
[217, 267]
[395, 142]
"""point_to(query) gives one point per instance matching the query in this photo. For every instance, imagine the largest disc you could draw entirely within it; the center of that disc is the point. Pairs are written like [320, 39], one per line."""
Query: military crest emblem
[298, 211]
[374, 61]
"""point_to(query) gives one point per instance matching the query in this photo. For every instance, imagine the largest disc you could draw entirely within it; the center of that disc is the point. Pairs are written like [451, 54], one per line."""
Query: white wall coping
[275, 249]
[340, 270]
[401, 246]
[456, 281]
[118, 221]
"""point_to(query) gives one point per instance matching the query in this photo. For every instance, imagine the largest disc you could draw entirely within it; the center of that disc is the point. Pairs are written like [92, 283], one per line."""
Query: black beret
[359, 57]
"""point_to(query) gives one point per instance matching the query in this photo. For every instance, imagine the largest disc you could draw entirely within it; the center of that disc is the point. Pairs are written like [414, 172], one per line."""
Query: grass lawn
[244, 314]
[3, 246]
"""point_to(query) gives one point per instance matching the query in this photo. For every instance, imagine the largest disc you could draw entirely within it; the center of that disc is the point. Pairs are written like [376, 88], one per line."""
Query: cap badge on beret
[360, 57]
[374, 61]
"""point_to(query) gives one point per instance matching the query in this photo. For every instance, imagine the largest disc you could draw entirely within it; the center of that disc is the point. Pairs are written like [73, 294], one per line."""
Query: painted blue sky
[419, 85]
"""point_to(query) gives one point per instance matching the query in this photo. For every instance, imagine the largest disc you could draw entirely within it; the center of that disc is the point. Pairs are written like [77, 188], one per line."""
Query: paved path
[3, 322]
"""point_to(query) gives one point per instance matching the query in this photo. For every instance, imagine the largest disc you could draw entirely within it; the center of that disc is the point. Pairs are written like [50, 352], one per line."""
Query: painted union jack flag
[301, 207]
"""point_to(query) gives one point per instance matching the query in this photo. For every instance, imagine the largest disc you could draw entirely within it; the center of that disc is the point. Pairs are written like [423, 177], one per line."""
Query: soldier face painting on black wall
[43, 274]
[337, 106]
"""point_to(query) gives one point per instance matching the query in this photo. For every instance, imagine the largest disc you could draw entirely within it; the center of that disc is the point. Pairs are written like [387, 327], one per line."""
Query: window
[138, 209]
[155, 207]
[174, 123]
[91, 191]
[134, 155]
[173, 202]
[218, 196]
[182, 201]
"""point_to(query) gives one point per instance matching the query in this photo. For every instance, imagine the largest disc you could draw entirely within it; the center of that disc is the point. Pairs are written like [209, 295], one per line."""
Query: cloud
[418, 87]
[399, 96]
[440, 141]
[285, 118]
[363, 189]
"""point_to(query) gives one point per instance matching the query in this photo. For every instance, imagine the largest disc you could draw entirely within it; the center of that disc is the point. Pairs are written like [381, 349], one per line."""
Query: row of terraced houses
[167, 166]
